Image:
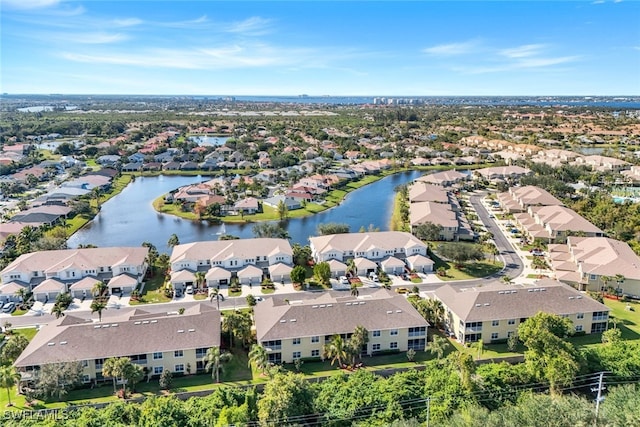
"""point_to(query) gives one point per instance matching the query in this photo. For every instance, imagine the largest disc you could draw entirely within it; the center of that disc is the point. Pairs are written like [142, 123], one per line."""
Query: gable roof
[72, 338]
[227, 249]
[332, 313]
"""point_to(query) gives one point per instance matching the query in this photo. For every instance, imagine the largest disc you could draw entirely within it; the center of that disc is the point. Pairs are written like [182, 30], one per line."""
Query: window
[393, 345]
[179, 368]
[510, 334]
[393, 332]
[592, 277]
[86, 379]
[157, 370]
[376, 333]
[296, 355]
[495, 323]
[512, 321]
[178, 353]
[418, 331]
[157, 355]
[578, 328]
[600, 315]
[315, 353]
[315, 339]
[376, 347]
[296, 341]
[417, 344]
[494, 335]
[597, 328]
[85, 363]
[580, 316]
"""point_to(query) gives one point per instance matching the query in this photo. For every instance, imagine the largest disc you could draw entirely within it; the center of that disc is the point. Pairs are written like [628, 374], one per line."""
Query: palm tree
[99, 307]
[351, 266]
[438, 346]
[235, 324]
[112, 367]
[259, 357]
[605, 282]
[9, 377]
[199, 279]
[173, 240]
[354, 290]
[619, 278]
[213, 361]
[336, 350]
[99, 289]
[57, 311]
[359, 338]
[22, 293]
[215, 293]
[507, 280]
[436, 310]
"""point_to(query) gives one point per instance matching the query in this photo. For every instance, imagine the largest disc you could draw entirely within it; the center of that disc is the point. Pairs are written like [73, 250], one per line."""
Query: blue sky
[367, 48]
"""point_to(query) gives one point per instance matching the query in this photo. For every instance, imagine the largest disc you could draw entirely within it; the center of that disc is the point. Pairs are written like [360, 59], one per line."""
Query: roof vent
[322, 305]
[105, 326]
[314, 306]
[530, 290]
[51, 344]
[543, 289]
[283, 321]
[486, 304]
[398, 311]
[191, 330]
[96, 327]
[63, 342]
[113, 325]
[348, 303]
[571, 297]
[181, 331]
[154, 321]
[362, 302]
[136, 323]
[501, 292]
[329, 305]
[292, 320]
[389, 312]
[514, 292]
[579, 297]
[478, 305]
[144, 322]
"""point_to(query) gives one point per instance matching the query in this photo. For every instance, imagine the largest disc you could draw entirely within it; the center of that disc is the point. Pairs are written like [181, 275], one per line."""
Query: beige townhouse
[247, 259]
[554, 224]
[155, 340]
[493, 312]
[291, 330]
[120, 268]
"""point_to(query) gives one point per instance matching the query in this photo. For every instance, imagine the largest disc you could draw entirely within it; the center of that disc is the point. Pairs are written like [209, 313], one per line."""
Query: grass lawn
[235, 293]
[267, 291]
[153, 292]
[473, 270]
[199, 297]
[627, 320]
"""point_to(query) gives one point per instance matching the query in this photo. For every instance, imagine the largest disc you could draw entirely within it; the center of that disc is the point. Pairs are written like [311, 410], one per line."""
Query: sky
[338, 48]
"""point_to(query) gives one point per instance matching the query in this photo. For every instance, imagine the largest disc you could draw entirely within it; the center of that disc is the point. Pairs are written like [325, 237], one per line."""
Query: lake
[129, 219]
[209, 140]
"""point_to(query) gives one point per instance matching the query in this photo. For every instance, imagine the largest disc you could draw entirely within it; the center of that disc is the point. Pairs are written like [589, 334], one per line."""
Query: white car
[374, 277]
[343, 280]
[189, 290]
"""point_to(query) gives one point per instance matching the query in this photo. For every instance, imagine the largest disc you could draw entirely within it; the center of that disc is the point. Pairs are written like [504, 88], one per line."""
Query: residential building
[494, 311]
[157, 341]
[445, 178]
[518, 199]
[247, 259]
[585, 261]
[291, 330]
[375, 246]
[553, 224]
[68, 266]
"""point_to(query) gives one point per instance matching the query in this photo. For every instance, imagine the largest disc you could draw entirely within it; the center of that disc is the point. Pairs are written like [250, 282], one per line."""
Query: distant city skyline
[288, 48]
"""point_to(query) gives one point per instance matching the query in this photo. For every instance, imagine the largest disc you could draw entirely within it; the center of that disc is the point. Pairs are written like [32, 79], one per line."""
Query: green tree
[166, 379]
[301, 254]
[322, 272]
[56, 379]
[359, 339]
[238, 324]
[251, 300]
[213, 361]
[332, 228]
[13, 347]
[283, 211]
[428, 231]
[165, 411]
[9, 377]
[113, 368]
[99, 290]
[336, 350]
[57, 310]
[259, 357]
[354, 290]
[620, 408]
[98, 307]
[548, 355]
[286, 398]
[269, 230]
[461, 253]
[298, 274]
[173, 240]
[200, 279]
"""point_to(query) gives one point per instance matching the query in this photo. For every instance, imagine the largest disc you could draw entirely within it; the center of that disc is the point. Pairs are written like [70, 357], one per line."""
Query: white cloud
[252, 26]
[523, 51]
[97, 38]
[29, 4]
[127, 22]
[452, 49]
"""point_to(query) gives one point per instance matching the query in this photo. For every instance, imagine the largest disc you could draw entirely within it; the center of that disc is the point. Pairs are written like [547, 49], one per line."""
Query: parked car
[343, 280]
[9, 307]
[402, 290]
[537, 252]
[258, 299]
[374, 277]
[189, 290]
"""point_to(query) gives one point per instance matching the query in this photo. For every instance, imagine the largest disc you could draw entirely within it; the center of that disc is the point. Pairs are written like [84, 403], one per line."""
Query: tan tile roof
[436, 213]
[215, 273]
[49, 285]
[87, 259]
[332, 313]
[225, 249]
[560, 218]
[531, 195]
[422, 192]
[137, 332]
[497, 301]
[605, 257]
[382, 240]
[86, 283]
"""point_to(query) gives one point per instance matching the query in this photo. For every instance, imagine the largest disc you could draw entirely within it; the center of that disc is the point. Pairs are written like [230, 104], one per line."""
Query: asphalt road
[513, 268]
